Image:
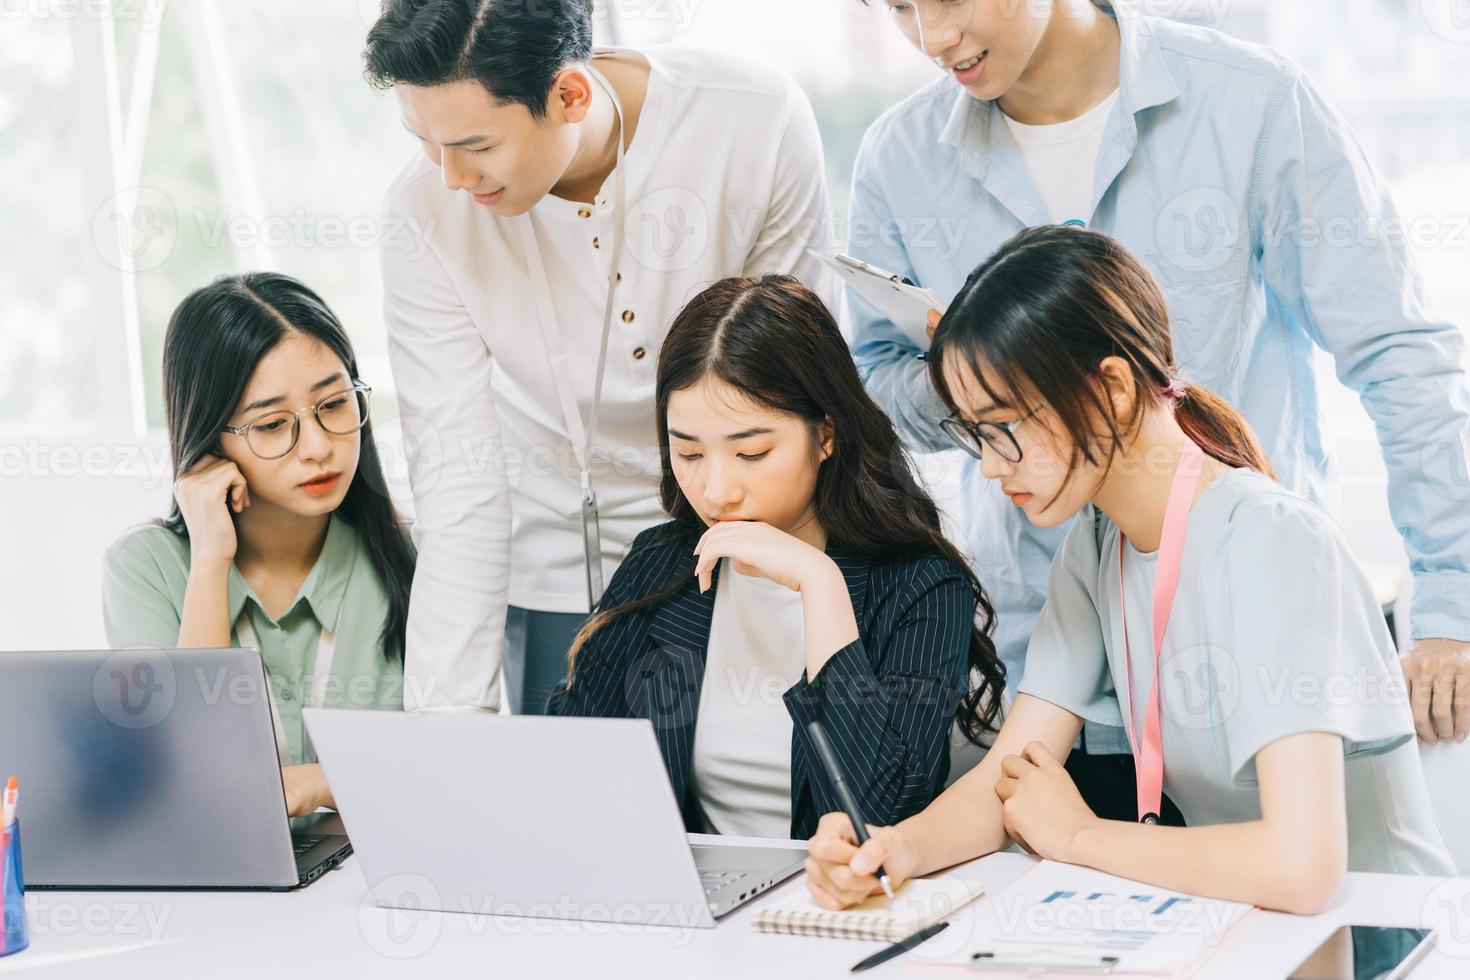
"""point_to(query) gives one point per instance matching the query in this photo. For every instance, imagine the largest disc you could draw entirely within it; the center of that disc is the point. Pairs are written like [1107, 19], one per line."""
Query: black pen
[838, 779]
[902, 946]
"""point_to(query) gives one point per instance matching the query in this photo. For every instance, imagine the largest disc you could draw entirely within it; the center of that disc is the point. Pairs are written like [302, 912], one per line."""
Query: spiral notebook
[918, 905]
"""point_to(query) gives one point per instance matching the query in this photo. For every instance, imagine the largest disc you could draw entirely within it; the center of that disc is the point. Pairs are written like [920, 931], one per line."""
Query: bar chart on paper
[1058, 916]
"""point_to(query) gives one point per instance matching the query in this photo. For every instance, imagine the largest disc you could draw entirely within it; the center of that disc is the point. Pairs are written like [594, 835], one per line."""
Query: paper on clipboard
[1060, 919]
[905, 304]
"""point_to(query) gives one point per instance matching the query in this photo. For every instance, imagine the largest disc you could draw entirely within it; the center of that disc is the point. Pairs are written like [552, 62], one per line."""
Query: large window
[155, 145]
[147, 146]
[48, 358]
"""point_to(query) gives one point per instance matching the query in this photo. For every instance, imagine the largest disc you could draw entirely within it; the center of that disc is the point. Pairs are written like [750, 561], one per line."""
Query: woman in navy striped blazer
[803, 576]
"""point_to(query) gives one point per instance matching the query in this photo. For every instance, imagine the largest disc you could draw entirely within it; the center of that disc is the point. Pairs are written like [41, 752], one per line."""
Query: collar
[325, 586]
[1144, 82]
[638, 157]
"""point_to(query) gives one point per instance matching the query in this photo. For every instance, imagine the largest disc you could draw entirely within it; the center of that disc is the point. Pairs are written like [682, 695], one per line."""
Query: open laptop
[567, 818]
[153, 769]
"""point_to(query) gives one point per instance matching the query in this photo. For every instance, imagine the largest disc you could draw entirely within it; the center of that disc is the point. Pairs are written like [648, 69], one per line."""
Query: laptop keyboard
[303, 844]
[713, 881]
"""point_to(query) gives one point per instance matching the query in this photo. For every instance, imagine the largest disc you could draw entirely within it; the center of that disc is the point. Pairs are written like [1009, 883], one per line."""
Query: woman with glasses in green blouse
[282, 536]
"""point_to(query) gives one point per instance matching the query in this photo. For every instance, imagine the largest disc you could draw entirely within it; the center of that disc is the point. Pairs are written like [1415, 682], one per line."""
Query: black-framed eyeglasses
[274, 434]
[975, 437]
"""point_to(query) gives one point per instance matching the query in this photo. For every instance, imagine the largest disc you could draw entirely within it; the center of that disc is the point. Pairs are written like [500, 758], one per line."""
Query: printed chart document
[1060, 916]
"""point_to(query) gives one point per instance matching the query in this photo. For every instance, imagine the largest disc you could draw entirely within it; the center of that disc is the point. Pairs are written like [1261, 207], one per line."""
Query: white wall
[56, 526]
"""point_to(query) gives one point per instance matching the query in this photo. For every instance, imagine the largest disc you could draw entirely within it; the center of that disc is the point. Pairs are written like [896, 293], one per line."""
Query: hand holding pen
[838, 780]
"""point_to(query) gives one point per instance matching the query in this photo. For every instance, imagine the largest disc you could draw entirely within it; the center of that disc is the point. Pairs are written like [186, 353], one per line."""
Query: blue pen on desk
[838, 779]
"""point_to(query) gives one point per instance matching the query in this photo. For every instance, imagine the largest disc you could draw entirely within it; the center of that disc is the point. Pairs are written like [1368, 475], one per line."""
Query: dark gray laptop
[153, 769]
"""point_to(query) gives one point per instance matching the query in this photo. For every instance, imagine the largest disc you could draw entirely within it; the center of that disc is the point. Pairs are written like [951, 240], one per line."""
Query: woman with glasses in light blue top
[1222, 167]
[282, 536]
[1214, 615]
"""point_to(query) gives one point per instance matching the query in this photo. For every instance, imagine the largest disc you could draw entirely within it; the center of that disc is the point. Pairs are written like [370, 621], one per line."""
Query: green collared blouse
[144, 575]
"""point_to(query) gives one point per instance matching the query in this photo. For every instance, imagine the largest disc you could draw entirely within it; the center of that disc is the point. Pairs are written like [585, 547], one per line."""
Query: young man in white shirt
[536, 151]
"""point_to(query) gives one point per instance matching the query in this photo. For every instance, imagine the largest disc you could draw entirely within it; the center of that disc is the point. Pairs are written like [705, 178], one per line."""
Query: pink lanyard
[1148, 748]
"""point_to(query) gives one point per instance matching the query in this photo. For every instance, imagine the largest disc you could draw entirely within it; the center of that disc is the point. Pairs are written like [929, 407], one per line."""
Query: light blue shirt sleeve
[887, 360]
[1335, 252]
[1067, 659]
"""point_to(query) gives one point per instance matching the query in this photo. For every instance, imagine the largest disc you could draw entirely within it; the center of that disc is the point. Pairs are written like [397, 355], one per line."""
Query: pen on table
[838, 779]
[902, 946]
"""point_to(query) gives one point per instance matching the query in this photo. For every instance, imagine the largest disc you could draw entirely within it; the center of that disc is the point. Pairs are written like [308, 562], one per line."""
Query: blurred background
[147, 146]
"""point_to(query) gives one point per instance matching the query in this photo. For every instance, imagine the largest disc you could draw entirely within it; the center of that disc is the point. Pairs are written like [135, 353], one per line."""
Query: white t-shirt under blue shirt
[1062, 159]
[1275, 631]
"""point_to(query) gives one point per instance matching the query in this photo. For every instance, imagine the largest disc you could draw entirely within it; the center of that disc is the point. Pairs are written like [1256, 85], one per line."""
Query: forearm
[1239, 862]
[899, 382]
[306, 789]
[827, 615]
[963, 823]
[890, 732]
[205, 621]
[460, 597]
[968, 820]
[1365, 304]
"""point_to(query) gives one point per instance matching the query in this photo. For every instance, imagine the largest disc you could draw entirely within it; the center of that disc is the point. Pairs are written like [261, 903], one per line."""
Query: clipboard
[904, 303]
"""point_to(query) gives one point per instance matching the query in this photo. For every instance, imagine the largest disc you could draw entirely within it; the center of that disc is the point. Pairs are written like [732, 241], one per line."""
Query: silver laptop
[153, 769]
[566, 818]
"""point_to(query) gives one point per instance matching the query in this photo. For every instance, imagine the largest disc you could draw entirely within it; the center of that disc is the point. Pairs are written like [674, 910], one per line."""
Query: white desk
[325, 931]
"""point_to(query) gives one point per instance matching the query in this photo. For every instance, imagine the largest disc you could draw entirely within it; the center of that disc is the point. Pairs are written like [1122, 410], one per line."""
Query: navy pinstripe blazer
[887, 700]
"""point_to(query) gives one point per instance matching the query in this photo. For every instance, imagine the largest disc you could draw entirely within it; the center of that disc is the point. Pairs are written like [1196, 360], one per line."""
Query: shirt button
[639, 353]
[627, 316]
[584, 213]
[619, 277]
[596, 244]
[285, 694]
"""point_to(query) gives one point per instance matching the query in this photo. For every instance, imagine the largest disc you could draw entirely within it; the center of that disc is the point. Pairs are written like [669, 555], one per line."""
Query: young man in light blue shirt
[1253, 204]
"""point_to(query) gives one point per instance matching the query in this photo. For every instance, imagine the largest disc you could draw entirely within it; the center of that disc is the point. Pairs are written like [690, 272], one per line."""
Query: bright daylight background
[239, 134]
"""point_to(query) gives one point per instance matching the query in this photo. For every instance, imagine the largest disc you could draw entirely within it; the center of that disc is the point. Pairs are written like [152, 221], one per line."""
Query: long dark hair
[1046, 309]
[215, 338]
[773, 339]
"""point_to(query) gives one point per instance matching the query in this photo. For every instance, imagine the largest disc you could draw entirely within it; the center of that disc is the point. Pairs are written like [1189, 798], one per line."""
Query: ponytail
[1041, 314]
[1219, 430]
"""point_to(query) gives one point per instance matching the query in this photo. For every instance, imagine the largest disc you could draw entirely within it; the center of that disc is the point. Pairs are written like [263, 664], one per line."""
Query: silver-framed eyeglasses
[975, 437]
[274, 434]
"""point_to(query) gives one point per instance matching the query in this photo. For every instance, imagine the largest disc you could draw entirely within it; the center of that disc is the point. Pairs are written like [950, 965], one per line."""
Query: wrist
[1080, 842]
[209, 564]
[913, 861]
[321, 793]
[821, 574]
